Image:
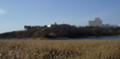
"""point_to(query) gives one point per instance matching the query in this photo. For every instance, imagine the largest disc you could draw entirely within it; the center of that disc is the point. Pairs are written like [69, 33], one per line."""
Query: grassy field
[59, 49]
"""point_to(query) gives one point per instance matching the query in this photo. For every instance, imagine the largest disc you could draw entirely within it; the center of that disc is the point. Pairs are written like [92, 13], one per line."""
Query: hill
[62, 31]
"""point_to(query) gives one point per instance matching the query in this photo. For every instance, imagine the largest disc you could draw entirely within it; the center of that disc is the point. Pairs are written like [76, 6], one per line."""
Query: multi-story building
[96, 23]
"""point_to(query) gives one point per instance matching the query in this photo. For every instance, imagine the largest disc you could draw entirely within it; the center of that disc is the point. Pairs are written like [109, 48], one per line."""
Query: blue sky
[14, 14]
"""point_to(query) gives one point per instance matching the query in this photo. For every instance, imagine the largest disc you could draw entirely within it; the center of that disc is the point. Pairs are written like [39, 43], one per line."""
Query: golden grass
[59, 49]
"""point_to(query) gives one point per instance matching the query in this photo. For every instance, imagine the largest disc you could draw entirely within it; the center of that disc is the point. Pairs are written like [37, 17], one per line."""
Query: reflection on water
[107, 38]
[110, 37]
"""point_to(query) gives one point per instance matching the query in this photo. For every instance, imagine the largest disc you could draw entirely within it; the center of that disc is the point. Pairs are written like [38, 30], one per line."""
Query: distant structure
[34, 27]
[51, 25]
[108, 26]
[96, 23]
[99, 23]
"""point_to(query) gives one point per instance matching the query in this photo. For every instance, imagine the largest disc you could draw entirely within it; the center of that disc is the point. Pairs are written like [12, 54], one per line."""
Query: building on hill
[99, 23]
[51, 25]
[96, 23]
[34, 27]
[108, 26]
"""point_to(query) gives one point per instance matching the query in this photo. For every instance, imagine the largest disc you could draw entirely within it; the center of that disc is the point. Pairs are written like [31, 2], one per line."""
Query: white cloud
[2, 12]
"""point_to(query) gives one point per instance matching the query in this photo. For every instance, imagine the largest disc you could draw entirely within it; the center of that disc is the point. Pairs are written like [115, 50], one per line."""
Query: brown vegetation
[59, 49]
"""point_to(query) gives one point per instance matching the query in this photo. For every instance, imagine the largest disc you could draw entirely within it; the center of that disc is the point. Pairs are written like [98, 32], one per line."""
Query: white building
[108, 26]
[96, 23]
[50, 25]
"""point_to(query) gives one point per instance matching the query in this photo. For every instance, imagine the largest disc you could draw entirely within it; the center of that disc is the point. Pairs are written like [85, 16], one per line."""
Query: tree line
[62, 31]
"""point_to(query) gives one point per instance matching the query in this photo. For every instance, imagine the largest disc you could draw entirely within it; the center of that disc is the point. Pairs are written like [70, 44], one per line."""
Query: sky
[14, 14]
